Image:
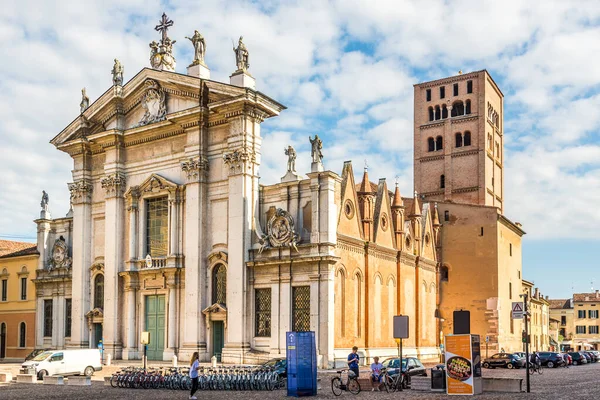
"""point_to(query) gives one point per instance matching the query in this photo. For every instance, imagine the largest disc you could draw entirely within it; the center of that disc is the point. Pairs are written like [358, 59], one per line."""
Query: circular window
[348, 209]
[384, 222]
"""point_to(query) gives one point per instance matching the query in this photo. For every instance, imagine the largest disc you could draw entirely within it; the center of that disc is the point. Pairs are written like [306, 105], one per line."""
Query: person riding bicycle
[535, 360]
[353, 360]
[376, 368]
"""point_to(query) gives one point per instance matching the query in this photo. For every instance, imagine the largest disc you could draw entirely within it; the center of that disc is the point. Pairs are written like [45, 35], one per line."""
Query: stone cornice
[453, 79]
[465, 189]
[464, 118]
[465, 153]
[431, 158]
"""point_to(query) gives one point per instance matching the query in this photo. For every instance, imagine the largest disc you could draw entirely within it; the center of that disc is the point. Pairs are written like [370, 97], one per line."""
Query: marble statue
[85, 101]
[45, 200]
[316, 146]
[242, 57]
[291, 153]
[161, 54]
[199, 47]
[117, 73]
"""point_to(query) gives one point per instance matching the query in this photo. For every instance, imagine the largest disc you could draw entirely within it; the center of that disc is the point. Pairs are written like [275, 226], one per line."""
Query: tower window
[444, 273]
[430, 109]
[439, 143]
[438, 114]
[481, 234]
[467, 139]
[510, 249]
[446, 215]
[428, 94]
[458, 109]
[456, 89]
[430, 144]
[444, 111]
[442, 181]
[469, 86]
[459, 139]
[442, 92]
[468, 107]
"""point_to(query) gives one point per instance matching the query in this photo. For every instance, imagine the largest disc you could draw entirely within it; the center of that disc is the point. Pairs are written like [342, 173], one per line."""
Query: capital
[81, 191]
[114, 184]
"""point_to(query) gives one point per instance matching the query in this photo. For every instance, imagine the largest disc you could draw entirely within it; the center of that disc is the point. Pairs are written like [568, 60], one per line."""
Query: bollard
[175, 361]
[213, 361]
[108, 360]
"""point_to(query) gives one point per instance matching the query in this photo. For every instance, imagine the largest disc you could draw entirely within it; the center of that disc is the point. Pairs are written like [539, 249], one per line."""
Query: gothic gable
[382, 217]
[427, 234]
[349, 214]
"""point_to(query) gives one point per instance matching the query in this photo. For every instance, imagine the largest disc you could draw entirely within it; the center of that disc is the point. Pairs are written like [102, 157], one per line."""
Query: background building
[18, 261]
[586, 321]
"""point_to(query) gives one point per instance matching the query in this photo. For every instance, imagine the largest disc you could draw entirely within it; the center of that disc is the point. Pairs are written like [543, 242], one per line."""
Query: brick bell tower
[459, 140]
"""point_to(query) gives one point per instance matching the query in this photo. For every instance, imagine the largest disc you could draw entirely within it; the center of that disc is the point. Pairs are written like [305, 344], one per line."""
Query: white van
[65, 362]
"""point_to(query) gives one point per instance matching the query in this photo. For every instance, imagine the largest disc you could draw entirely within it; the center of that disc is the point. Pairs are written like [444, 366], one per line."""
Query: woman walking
[194, 367]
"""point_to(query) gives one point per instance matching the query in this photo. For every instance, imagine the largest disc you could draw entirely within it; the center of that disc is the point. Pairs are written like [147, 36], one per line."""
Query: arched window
[430, 113]
[489, 141]
[458, 108]
[358, 304]
[437, 112]
[468, 107]
[444, 111]
[442, 181]
[439, 143]
[22, 334]
[430, 144]
[459, 139]
[444, 273]
[219, 285]
[99, 291]
[446, 215]
[467, 139]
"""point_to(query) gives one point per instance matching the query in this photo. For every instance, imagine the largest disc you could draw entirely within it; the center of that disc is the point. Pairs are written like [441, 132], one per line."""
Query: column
[43, 230]
[131, 286]
[173, 225]
[39, 323]
[113, 184]
[60, 318]
[194, 323]
[327, 315]
[172, 320]
[285, 306]
[133, 227]
[55, 320]
[81, 195]
[276, 350]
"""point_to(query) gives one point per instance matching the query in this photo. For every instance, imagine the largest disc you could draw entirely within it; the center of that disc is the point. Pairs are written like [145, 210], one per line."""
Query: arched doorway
[3, 341]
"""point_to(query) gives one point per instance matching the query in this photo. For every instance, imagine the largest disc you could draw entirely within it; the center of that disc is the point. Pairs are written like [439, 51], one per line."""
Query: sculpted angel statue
[85, 101]
[199, 47]
[117, 73]
[291, 153]
[316, 146]
[242, 57]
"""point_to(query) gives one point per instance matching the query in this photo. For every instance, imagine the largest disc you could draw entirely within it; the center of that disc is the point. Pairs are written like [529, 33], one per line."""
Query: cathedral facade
[171, 233]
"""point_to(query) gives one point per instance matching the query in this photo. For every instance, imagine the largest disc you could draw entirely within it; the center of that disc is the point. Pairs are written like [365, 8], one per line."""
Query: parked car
[65, 362]
[34, 353]
[411, 365]
[279, 365]
[587, 356]
[592, 355]
[504, 360]
[550, 359]
[521, 354]
[578, 358]
[597, 354]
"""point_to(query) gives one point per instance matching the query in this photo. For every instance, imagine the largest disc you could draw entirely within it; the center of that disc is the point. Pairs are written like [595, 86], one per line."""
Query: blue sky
[345, 69]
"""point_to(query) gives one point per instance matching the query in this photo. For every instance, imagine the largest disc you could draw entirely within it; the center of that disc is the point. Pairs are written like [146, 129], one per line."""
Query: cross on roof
[164, 25]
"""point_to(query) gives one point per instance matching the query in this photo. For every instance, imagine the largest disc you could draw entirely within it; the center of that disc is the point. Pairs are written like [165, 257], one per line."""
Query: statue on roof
[85, 101]
[199, 47]
[291, 153]
[316, 146]
[242, 57]
[117, 73]
[45, 200]
[161, 54]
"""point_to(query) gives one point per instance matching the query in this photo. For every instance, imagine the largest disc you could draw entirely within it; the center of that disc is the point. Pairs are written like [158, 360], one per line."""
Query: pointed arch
[391, 279]
[358, 278]
[340, 300]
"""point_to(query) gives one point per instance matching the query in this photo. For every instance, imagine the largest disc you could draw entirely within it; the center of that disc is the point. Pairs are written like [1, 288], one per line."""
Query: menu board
[459, 364]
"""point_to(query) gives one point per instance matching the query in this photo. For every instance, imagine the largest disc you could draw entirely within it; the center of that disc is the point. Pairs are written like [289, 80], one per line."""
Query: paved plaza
[580, 382]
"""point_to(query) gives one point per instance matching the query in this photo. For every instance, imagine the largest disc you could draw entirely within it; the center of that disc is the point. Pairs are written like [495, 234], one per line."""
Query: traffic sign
[517, 310]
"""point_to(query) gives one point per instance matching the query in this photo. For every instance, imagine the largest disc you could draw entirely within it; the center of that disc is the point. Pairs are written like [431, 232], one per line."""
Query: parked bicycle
[350, 384]
[396, 381]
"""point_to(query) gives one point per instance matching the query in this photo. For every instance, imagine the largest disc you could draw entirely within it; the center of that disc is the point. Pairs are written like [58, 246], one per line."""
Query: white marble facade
[202, 157]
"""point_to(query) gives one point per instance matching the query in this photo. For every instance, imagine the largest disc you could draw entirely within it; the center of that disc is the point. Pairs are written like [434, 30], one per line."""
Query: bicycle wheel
[389, 384]
[113, 380]
[531, 370]
[336, 386]
[353, 386]
[540, 369]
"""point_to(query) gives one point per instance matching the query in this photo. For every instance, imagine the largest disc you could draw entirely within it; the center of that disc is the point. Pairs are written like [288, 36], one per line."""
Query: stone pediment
[158, 99]
[153, 184]
[214, 309]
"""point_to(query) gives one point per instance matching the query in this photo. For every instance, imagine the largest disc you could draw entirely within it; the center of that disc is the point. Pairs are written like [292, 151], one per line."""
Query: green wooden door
[155, 324]
[218, 338]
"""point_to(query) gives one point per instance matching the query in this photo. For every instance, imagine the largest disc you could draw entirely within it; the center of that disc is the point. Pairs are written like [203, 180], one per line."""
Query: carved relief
[59, 257]
[192, 167]
[113, 184]
[81, 191]
[237, 159]
[153, 102]
[280, 232]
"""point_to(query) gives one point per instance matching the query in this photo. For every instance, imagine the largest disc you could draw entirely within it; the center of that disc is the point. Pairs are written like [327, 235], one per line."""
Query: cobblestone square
[580, 382]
